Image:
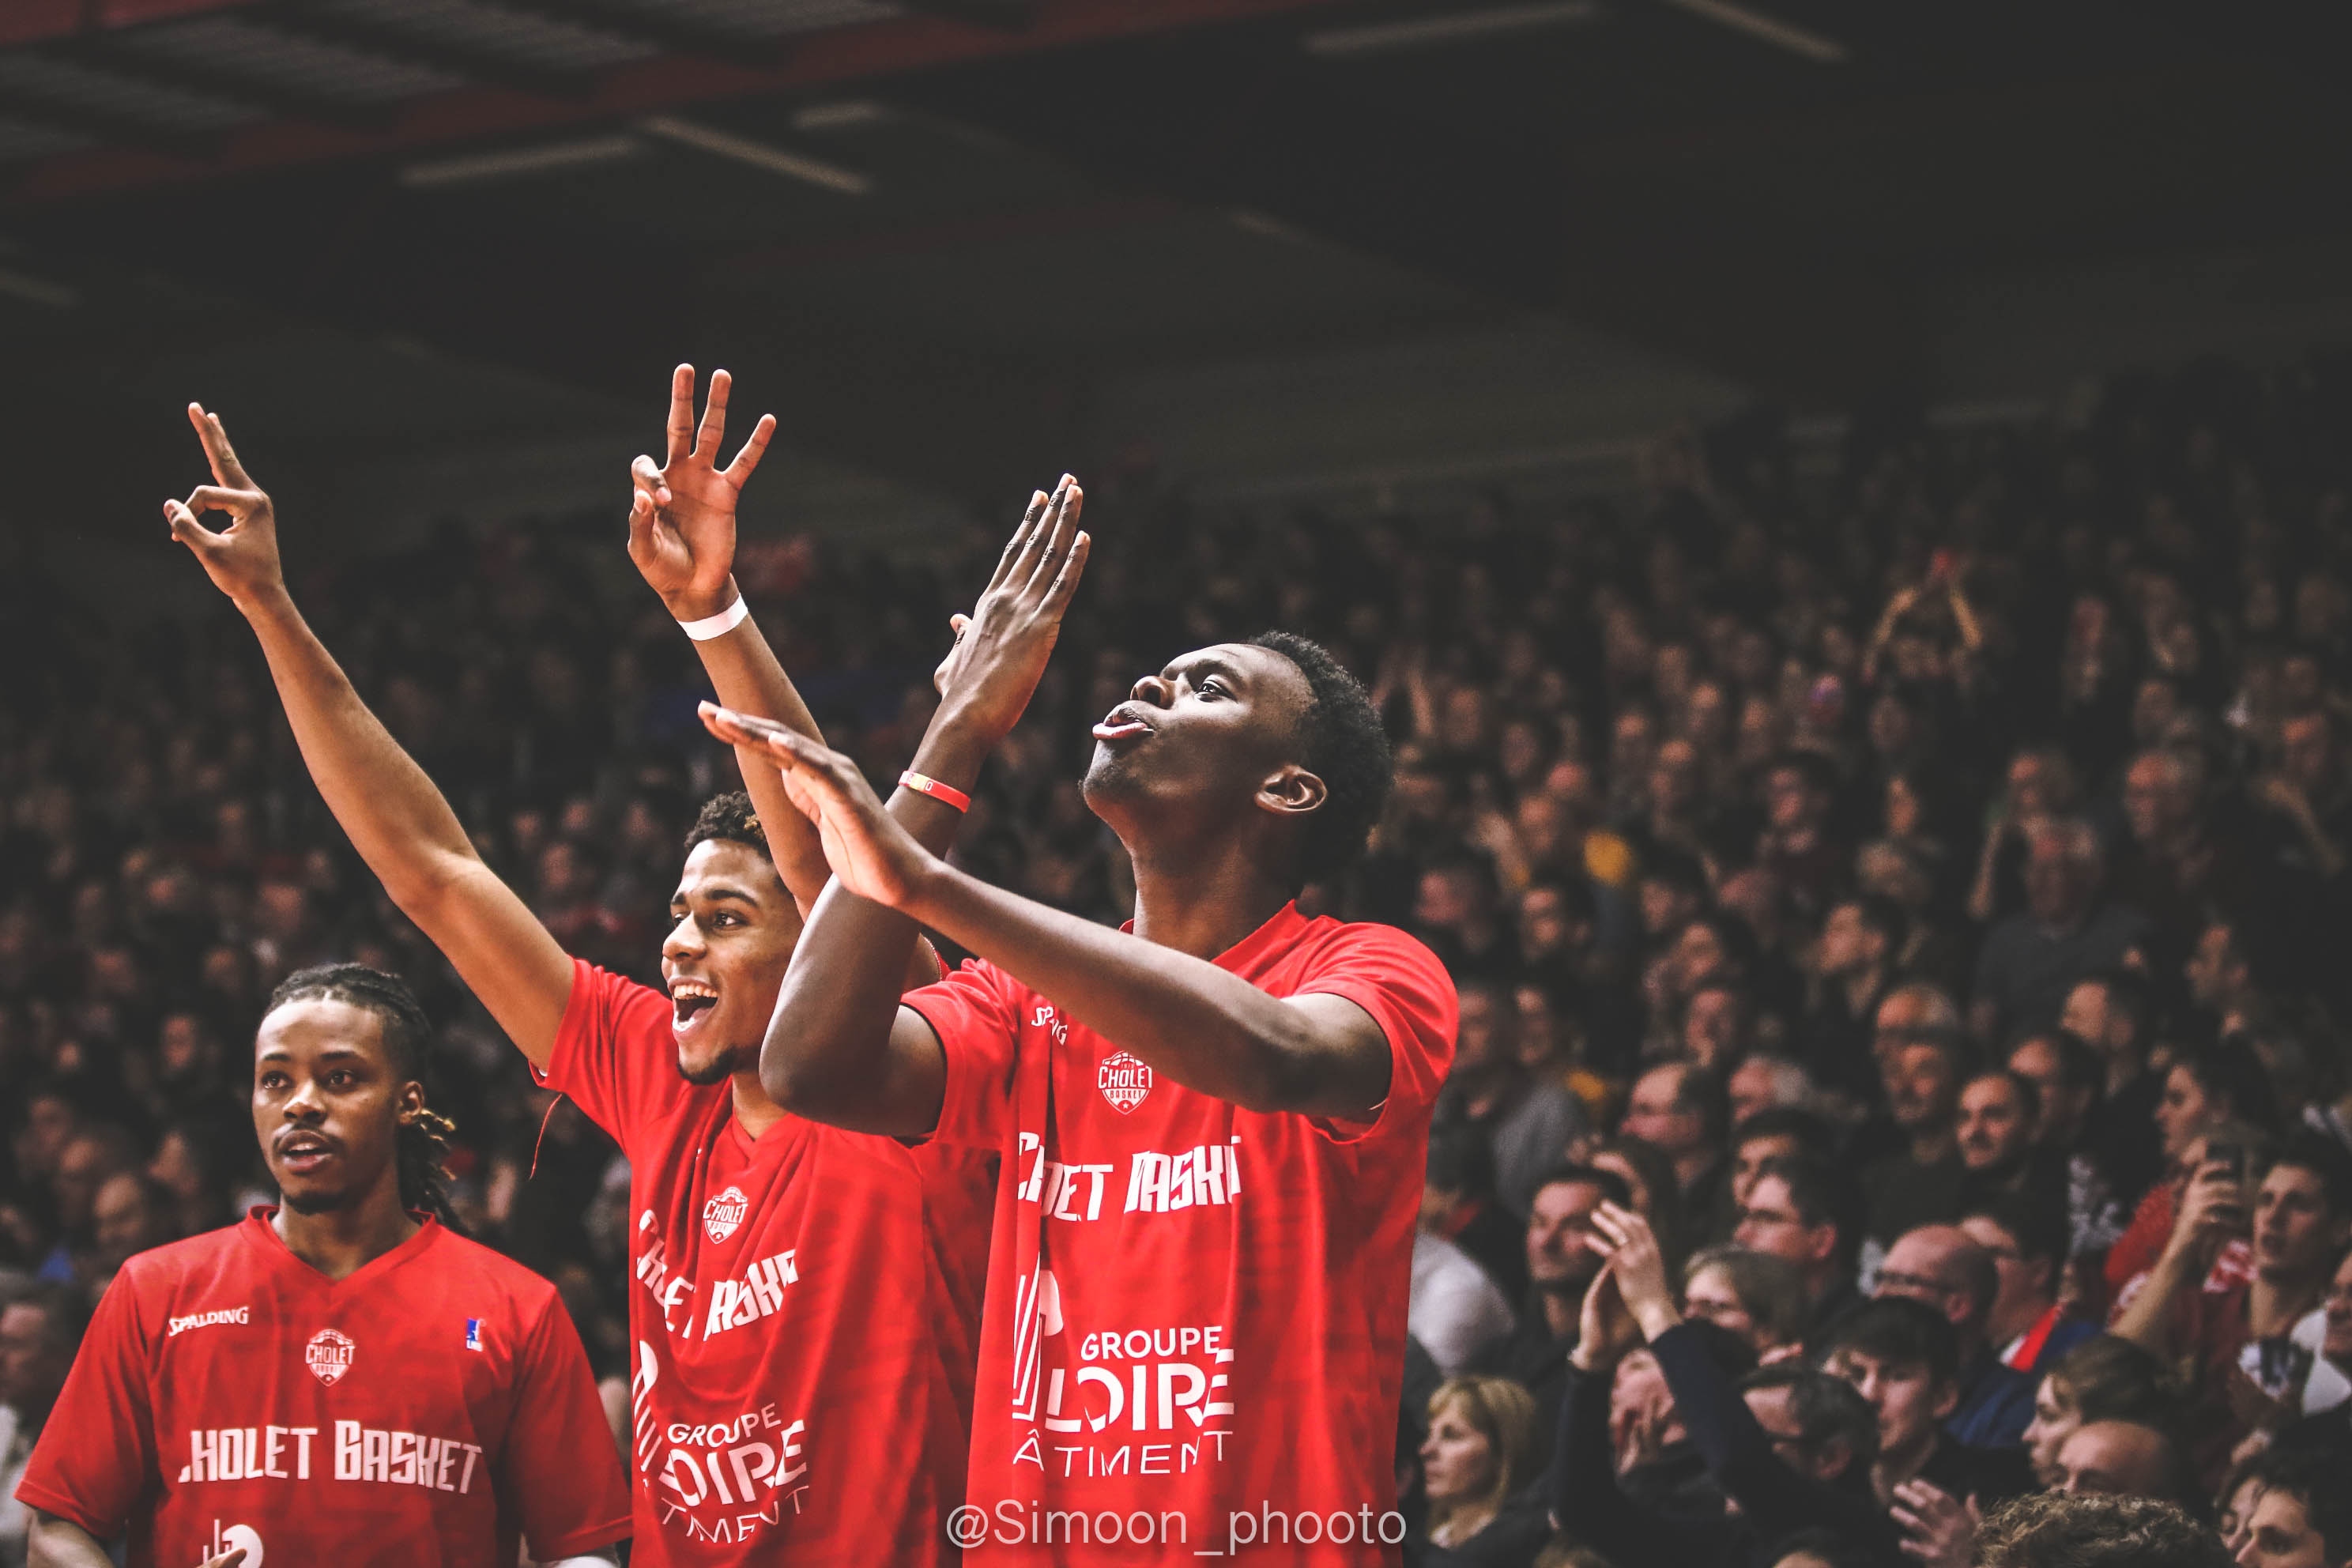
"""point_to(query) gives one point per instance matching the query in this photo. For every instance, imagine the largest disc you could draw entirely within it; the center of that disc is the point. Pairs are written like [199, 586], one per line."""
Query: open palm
[682, 513]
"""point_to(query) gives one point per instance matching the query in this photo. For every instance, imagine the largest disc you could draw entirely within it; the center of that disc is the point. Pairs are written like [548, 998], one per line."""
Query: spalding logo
[330, 1354]
[723, 1215]
[1124, 1081]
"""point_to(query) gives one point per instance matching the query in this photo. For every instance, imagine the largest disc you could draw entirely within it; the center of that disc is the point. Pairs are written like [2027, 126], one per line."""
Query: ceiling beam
[998, 16]
[108, 51]
[344, 29]
[673, 33]
[147, 138]
[824, 58]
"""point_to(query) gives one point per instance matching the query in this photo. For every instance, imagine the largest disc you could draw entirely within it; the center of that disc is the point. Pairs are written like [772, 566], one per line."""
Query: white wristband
[720, 624]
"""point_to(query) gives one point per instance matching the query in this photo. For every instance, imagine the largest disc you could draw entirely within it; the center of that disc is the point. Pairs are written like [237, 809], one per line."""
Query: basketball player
[804, 1300]
[343, 1379]
[1212, 1126]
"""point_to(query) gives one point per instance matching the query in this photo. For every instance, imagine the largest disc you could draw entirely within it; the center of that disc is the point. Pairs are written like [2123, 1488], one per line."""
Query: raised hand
[241, 559]
[1628, 1244]
[1001, 649]
[869, 853]
[1938, 1530]
[1605, 1331]
[682, 514]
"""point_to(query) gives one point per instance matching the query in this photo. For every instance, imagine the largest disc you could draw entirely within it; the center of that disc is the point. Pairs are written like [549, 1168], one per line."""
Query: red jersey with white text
[422, 1410]
[1195, 1312]
[801, 1316]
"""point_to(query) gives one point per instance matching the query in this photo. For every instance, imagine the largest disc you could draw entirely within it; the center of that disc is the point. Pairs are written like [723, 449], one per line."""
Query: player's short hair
[1900, 1331]
[422, 1147]
[2090, 1530]
[1344, 746]
[728, 816]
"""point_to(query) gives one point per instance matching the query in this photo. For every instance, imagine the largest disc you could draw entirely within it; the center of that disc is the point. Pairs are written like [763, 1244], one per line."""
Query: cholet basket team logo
[1124, 1081]
[330, 1354]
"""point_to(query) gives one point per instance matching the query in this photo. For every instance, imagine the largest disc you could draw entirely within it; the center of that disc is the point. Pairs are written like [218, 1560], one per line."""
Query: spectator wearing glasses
[1807, 1210]
[1942, 1266]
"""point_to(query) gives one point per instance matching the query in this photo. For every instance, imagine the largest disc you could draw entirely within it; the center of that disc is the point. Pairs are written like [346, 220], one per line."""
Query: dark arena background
[1843, 510]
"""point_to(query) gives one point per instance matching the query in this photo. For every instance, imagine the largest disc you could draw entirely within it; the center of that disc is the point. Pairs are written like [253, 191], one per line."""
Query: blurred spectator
[40, 1326]
[1478, 1454]
[1754, 1295]
[2066, 1530]
[1942, 1266]
[1561, 1264]
[1903, 1357]
[2304, 1514]
[1458, 1204]
[1456, 1311]
[2032, 959]
[1527, 1122]
[1808, 1212]
[2102, 1379]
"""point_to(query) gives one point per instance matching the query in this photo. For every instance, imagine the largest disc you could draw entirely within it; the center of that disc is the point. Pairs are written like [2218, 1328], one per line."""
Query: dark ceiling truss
[348, 31]
[36, 104]
[672, 34]
[107, 50]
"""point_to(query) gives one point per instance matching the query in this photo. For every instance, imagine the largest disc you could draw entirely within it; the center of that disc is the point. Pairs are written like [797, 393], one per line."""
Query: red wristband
[946, 794]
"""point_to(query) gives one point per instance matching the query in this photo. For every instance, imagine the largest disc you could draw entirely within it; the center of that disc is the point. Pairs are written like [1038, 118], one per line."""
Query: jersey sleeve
[614, 1054]
[96, 1452]
[1409, 994]
[561, 1474]
[976, 1014]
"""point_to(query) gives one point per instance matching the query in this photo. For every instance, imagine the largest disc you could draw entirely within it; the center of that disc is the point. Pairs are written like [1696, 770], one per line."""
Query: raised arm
[840, 1048]
[399, 822]
[682, 538]
[1207, 1028]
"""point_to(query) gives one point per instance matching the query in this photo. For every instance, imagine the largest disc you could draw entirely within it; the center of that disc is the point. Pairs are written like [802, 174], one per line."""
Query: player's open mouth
[303, 1152]
[688, 1001]
[1122, 723]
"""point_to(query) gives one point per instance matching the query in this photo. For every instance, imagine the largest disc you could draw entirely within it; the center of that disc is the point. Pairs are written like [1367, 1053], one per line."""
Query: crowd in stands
[1898, 906]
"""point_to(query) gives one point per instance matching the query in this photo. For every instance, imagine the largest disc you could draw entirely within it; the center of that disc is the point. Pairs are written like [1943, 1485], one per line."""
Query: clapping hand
[1628, 1244]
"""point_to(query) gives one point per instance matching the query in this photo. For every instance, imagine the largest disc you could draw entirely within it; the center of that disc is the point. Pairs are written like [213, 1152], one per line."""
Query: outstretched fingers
[754, 449]
[1038, 502]
[217, 451]
[1066, 582]
[681, 413]
[1068, 500]
[713, 428]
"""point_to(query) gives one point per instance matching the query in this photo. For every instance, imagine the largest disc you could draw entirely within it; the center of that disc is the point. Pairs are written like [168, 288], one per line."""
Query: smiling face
[725, 957]
[328, 1104]
[1215, 732]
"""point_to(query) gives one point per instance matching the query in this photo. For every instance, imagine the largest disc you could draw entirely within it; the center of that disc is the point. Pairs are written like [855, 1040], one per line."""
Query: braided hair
[420, 1147]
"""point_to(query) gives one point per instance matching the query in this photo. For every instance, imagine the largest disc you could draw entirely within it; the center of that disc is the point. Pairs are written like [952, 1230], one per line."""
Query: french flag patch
[473, 1333]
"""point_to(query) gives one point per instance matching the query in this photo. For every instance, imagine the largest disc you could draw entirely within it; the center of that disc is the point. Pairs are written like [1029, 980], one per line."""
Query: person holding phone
[2294, 1215]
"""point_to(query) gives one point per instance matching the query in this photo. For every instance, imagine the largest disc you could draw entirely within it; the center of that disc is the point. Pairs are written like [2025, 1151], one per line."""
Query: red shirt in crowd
[802, 1309]
[1195, 1312]
[422, 1410]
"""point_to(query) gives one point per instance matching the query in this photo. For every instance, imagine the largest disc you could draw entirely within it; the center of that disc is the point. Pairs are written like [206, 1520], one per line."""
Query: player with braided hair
[422, 1144]
[341, 1378]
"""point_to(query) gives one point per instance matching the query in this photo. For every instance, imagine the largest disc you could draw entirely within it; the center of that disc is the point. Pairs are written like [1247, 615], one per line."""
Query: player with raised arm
[804, 1300]
[342, 1379]
[1212, 1125]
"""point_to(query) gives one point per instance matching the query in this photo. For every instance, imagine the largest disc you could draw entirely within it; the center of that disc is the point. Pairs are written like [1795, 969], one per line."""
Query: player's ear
[1291, 790]
[408, 1103]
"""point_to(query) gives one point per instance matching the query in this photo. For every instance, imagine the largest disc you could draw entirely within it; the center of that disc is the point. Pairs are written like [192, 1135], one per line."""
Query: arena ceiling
[934, 230]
